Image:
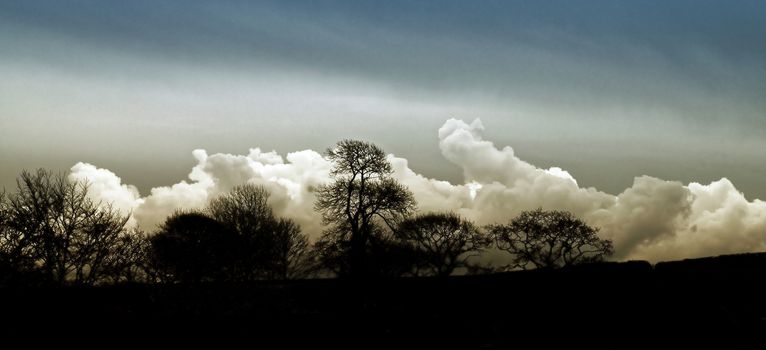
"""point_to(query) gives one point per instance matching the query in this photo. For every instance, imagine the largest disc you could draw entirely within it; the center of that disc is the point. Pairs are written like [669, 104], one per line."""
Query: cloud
[654, 219]
[107, 187]
[291, 184]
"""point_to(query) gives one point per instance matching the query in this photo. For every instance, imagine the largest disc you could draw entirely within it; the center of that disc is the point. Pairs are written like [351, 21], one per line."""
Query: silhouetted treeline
[52, 233]
[236, 238]
[234, 270]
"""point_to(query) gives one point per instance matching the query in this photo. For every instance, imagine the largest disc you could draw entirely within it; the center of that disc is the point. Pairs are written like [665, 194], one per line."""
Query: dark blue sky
[608, 90]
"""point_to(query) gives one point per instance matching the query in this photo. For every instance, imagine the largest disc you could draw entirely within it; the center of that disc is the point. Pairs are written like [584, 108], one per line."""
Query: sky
[611, 93]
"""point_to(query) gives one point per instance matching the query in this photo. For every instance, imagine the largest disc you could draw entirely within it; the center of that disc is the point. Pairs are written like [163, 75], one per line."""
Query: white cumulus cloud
[654, 219]
[106, 187]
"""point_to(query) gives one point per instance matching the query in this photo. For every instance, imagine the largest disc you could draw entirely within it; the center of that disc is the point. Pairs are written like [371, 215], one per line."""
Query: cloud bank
[653, 220]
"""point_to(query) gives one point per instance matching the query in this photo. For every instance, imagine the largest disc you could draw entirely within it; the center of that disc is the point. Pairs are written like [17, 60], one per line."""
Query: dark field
[705, 302]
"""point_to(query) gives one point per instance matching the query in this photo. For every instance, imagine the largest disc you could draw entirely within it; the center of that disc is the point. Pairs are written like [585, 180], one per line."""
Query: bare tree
[245, 209]
[294, 258]
[192, 247]
[385, 254]
[52, 222]
[332, 251]
[11, 241]
[15, 263]
[274, 247]
[361, 194]
[549, 239]
[444, 241]
[16, 232]
[128, 260]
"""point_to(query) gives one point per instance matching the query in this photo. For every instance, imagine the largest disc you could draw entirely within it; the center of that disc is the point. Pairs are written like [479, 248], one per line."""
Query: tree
[385, 255]
[293, 258]
[52, 225]
[245, 211]
[15, 265]
[389, 256]
[444, 241]
[192, 247]
[361, 195]
[128, 261]
[273, 247]
[549, 239]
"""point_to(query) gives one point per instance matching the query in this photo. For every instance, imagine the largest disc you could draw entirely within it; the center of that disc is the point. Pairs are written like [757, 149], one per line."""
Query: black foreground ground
[712, 303]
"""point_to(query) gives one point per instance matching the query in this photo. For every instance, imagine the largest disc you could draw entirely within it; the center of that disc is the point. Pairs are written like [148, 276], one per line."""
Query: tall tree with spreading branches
[362, 195]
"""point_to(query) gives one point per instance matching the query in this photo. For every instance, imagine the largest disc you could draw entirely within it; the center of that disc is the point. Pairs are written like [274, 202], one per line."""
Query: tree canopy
[442, 241]
[362, 195]
[52, 227]
[549, 239]
[274, 247]
[193, 247]
[236, 237]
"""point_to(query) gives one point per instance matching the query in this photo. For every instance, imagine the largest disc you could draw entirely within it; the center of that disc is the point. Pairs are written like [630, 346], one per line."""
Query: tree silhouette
[52, 225]
[332, 251]
[361, 194]
[273, 248]
[385, 255]
[14, 263]
[128, 261]
[293, 256]
[192, 247]
[390, 256]
[245, 211]
[549, 239]
[444, 241]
